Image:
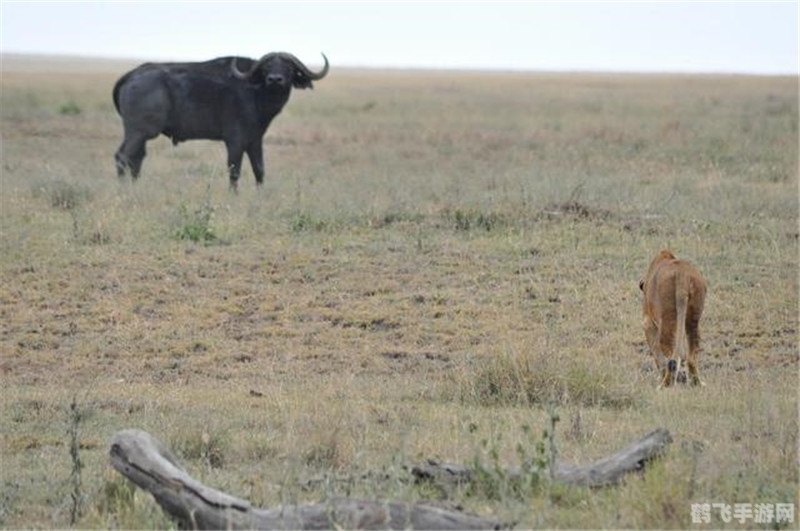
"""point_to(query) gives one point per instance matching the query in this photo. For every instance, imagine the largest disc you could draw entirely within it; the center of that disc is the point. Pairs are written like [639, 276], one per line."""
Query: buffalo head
[280, 70]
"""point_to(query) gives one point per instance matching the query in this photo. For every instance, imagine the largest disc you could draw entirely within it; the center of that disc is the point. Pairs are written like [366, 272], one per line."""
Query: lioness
[674, 294]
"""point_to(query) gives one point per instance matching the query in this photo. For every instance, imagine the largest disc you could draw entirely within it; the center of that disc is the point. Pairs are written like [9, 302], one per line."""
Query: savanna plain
[438, 266]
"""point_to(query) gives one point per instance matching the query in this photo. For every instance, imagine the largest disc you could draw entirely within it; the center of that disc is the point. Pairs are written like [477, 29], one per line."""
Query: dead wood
[150, 465]
[604, 472]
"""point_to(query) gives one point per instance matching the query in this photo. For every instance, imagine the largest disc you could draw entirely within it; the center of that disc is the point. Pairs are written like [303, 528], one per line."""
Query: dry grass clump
[474, 219]
[62, 194]
[209, 447]
[118, 503]
[545, 378]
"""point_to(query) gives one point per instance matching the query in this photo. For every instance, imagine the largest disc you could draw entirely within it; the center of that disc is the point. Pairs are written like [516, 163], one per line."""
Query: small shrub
[393, 217]
[116, 495]
[70, 108]
[497, 481]
[465, 220]
[575, 210]
[462, 220]
[303, 221]
[260, 449]
[99, 237]
[209, 448]
[195, 225]
[118, 506]
[62, 194]
[325, 448]
[322, 455]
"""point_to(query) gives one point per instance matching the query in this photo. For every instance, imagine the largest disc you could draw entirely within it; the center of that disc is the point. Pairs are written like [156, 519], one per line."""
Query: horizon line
[422, 68]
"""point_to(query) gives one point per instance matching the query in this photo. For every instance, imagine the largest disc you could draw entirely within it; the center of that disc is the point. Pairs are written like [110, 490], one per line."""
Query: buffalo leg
[235, 154]
[256, 155]
[121, 160]
[136, 160]
[130, 155]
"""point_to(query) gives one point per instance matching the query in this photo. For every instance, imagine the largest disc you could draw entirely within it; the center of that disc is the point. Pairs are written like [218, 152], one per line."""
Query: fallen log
[604, 472]
[149, 464]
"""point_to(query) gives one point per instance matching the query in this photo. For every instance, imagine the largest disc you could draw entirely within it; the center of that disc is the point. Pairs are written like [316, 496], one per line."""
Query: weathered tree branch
[604, 472]
[611, 470]
[150, 465]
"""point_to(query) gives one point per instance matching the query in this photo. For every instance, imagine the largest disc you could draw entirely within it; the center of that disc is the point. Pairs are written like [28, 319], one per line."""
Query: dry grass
[435, 260]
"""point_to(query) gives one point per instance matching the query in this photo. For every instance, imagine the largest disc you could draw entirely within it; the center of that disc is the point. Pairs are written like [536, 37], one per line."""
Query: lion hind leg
[694, 375]
[666, 344]
[651, 334]
[694, 350]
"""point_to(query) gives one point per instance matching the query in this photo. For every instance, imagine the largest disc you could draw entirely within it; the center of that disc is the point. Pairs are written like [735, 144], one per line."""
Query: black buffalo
[212, 100]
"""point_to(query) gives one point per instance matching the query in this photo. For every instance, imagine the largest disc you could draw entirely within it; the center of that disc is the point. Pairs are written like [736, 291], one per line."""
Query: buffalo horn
[304, 69]
[246, 75]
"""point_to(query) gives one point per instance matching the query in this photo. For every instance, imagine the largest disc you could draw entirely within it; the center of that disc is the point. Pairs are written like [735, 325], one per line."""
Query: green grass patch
[70, 108]
[195, 224]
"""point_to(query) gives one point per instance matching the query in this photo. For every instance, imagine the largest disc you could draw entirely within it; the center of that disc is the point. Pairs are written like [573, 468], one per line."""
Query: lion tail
[681, 306]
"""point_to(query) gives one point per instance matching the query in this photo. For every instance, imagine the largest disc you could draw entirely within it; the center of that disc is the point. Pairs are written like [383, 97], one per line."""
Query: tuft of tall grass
[70, 108]
[540, 378]
[61, 194]
[471, 219]
[207, 447]
[118, 504]
[305, 221]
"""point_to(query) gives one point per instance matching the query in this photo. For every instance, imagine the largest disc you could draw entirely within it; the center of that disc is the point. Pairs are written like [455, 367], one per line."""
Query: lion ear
[641, 284]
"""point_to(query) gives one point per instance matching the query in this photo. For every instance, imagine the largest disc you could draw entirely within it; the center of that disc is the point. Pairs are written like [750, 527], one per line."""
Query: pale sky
[719, 36]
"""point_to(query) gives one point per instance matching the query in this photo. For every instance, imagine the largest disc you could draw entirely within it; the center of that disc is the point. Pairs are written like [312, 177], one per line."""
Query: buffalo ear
[641, 284]
[301, 81]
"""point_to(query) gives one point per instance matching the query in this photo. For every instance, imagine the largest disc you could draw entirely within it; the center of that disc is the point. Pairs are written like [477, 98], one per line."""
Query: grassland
[437, 260]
